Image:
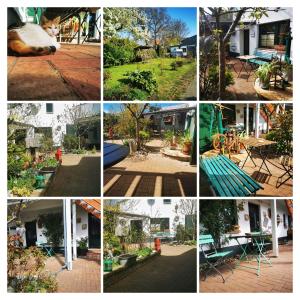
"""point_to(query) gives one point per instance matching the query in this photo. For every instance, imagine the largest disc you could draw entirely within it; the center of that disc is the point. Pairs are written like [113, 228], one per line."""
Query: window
[160, 224]
[272, 34]
[49, 108]
[167, 201]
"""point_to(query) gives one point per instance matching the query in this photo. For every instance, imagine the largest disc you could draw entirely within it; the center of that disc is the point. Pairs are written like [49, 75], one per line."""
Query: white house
[50, 120]
[267, 32]
[80, 219]
[155, 215]
[269, 216]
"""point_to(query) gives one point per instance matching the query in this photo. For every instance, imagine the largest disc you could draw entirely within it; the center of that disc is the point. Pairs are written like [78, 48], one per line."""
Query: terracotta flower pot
[186, 149]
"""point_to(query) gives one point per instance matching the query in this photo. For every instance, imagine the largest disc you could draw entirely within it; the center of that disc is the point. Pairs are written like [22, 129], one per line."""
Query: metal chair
[213, 258]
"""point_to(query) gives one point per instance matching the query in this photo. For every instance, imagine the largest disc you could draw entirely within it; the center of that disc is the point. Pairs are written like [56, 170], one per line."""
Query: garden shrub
[213, 77]
[15, 160]
[144, 252]
[25, 268]
[143, 80]
[118, 51]
[70, 142]
[54, 229]
[145, 54]
[283, 133]
[106, 75]
[125, 92]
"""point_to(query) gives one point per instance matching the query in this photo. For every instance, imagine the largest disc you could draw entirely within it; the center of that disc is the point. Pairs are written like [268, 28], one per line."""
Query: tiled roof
[92, 206]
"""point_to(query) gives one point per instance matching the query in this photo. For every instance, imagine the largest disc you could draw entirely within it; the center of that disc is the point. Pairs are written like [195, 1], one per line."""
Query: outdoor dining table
[259, 242]
[252, 143]
[114, 153]
[46, 247]
[244, 59]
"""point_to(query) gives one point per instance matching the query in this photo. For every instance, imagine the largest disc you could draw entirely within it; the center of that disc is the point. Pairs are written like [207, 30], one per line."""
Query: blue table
[114, 153]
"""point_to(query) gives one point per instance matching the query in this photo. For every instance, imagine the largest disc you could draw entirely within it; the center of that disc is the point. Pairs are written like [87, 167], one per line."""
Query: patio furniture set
[255, 247]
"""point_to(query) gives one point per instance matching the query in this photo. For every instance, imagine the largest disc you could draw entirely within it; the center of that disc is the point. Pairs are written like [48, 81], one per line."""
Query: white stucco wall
[40, 207]
[240, 117]
[237, 40]
[265, 221]
[159, 210]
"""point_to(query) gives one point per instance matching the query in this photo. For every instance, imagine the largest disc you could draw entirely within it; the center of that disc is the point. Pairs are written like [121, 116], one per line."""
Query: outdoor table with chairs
[246, 62]
[259, 243]
[46, 247]
[257, 145]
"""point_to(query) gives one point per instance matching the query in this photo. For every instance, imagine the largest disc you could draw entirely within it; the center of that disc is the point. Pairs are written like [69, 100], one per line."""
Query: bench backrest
[265, 54]
[207, 240]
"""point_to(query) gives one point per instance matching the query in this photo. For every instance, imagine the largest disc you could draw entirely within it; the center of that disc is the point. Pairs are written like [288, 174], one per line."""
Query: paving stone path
[174, 272]
[79, 175]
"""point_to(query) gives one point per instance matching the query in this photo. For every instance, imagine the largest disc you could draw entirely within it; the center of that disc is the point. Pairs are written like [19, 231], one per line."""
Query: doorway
[94, 232]
[31, 236]
[254, 217]
[246, 42]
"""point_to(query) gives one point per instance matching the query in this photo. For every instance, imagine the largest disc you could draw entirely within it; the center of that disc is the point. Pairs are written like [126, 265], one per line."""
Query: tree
[222, 37]
[127, 20]
[158, 22]
[82, 117]
[178, 30]
[188, 207]
[136, 111]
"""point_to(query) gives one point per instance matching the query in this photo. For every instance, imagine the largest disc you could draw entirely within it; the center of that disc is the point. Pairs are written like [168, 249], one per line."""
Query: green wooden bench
[227, 179]
[212, 257]
[262, 57]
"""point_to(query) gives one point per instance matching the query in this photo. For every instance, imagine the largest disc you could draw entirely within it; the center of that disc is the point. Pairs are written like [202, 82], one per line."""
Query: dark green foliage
[54, 229]
[283, 133]
[217, 217]
[119, 51]
[143, 80]
[125, 92]
[70, 142]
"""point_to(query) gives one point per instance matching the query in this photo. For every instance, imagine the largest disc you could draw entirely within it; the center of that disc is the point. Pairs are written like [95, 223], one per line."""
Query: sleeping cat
[32, 39]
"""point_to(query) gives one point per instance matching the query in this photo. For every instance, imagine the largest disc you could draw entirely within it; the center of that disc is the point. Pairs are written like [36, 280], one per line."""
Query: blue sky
[186, 14]
[115, 107]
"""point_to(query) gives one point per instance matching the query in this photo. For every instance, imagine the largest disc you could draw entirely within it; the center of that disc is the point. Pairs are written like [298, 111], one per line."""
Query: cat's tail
[19, 48]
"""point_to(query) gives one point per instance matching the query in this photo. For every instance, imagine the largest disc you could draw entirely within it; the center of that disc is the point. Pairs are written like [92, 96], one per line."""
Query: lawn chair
[213, 258]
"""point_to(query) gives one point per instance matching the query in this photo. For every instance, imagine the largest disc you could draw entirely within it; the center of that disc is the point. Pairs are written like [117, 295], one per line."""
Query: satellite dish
[151, 202]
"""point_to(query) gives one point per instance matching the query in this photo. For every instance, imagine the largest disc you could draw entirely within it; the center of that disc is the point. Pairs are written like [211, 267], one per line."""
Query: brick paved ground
[263, 177]
[177, 178]
[173, 272]
[84, 278]
[79, 175]
[72, 73]
[275, 279]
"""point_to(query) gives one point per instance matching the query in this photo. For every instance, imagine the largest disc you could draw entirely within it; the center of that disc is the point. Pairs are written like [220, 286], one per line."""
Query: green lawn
[172, 84]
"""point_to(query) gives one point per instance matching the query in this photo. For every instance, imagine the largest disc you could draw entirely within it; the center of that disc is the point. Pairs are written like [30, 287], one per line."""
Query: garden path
[191, 91]
[84, 277]
[173, 271]
[79, 175]
[72, 73]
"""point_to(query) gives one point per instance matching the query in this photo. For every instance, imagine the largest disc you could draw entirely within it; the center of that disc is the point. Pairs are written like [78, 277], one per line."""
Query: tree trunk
[222, 86]
[137, 134]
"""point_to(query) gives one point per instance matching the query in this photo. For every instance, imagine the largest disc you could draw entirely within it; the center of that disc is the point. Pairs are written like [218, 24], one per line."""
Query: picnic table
[226, 178]
[259, 241]
[245, 59]
[252, 143]
[114, 153]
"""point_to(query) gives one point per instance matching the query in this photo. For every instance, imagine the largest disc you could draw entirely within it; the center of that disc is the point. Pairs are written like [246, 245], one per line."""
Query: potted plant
[127, 259]
[264, 73]
[82, 248]
[186, 143]
[170, 139]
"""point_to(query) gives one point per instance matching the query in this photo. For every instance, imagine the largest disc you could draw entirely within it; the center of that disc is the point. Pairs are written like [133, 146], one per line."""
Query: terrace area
[277, 278]
[153, 175]
[72, 73]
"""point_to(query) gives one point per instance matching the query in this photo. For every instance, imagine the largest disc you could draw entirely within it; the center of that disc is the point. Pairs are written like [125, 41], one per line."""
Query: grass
[172, 84]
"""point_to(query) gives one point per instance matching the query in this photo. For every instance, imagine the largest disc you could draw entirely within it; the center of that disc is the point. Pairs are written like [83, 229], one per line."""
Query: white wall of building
[239, 114]
[157, 210]
[266, 222]
[40, 207]
[237, 40]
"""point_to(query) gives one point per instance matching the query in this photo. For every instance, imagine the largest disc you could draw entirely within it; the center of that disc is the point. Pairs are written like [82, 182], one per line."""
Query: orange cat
[33, 39]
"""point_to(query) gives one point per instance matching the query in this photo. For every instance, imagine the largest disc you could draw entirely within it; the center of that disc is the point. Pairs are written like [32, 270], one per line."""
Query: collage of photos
[149, 150]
